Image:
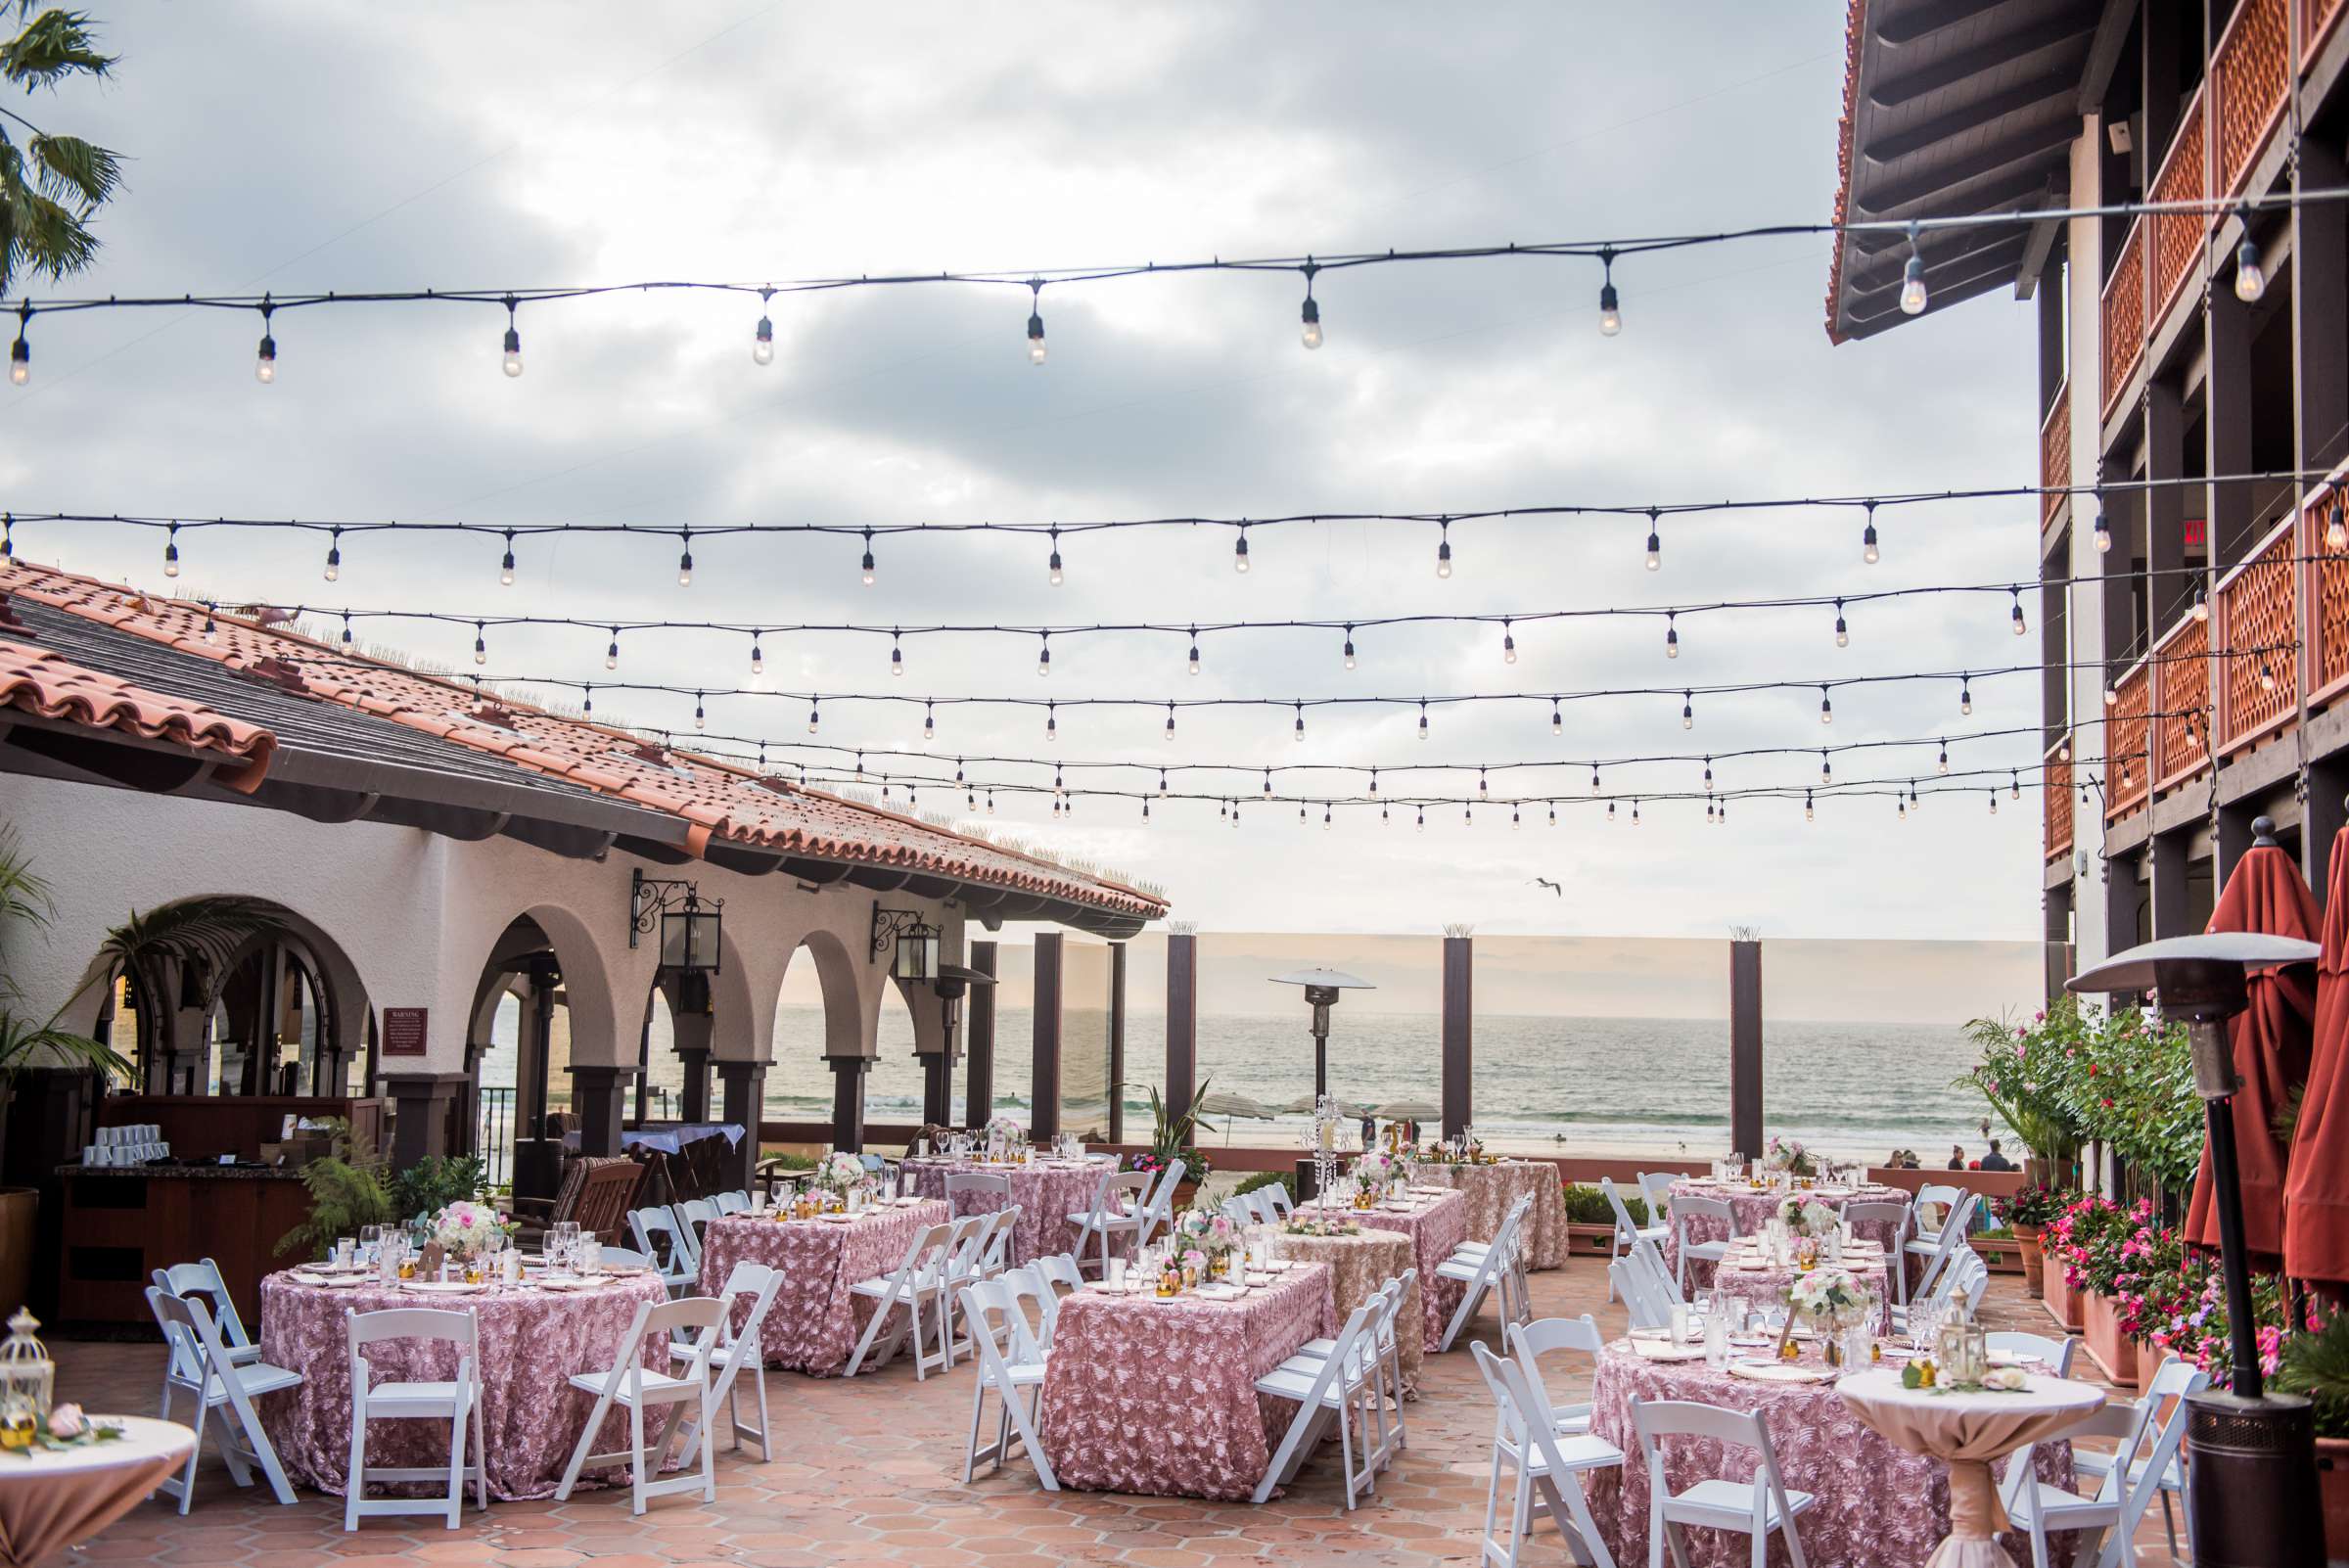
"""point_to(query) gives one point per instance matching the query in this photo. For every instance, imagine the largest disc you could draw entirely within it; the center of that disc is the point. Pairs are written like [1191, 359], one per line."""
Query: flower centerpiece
[839, 1175]
[1807, 1216]
[1788, 1155]
[1005, 1131]
[1377, 1171]
[1833, 1303]
[1211, 1234]
[1314, 1222]
[463, 1229]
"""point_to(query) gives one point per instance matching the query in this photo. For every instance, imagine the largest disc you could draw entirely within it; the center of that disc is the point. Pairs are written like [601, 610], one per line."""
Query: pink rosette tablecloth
[813, 1323]
[52, 1499]
[1492, 1189]
[1047, 1192]
[1159, 1397]
[1436, 1229]
[1771, 1280]
[1358, 1265]
[1754, 1210]
[1879, 1506]
[531, 1341]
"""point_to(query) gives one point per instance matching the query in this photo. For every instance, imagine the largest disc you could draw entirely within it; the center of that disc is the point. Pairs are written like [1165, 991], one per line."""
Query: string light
[1299, 730]
[758, 657]
[1655, 546]
[2201, 611]
[1035, 321]
[264, 364]
[896, 655]
[1994, 802]
[2251, 278]
[7, 536]
[1508, 644]
[1867, 538]
[1966, 695]
[1826, 707]
[1808, 812]
[505, 567]
[1326, 816]
[1312, 310]
[1170, 722]
[611, 653]
[172, 552]
[513, 347]
[928, 722]
[212, 627]
[20, 353]
[2337, 528]
[1052, 572]
[1444, 549]
[2018, 613]
[1942, 763]
[763, 337]
[2102, 534]
[1239, 552]
[867, 565]
[701, 719]
[1051, 725]
[1610, 307]
[1557, 720]
[1687, 710]
[685, 561]
[1826, 771]
[333, 557]
[588, 704]
[481, 645]
[1671, 634]
[1194, 663]
[814, 714]
[1423, 718]
[1913, 278]
[1350, 647]
[1043, 654]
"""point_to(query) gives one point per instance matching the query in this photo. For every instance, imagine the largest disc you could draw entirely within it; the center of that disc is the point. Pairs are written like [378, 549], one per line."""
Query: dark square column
[599, 1100]
[1745, 1049]
[1183, 1022]
[979, 1022]
[847, 1103]
[1116, 1043]
[744, 1087]
[1460, 1057]
[420, 1104]
[1043, 1098]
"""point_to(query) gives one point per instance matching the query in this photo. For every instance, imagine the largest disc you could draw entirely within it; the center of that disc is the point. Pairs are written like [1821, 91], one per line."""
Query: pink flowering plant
[2084, 1239]
[2022, 1073]
[464, 1228]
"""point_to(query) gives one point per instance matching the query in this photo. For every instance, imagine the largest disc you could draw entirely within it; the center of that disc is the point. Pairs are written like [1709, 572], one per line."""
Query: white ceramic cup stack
[133, 1144]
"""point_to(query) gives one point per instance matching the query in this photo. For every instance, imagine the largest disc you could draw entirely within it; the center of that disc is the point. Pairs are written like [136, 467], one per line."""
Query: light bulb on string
[701, 719]
[1942, 763]
[2251, 278]
[1655, 546]
[1809, 814]
[758, 657]
[1843, 633]
[1994, 802]
[1326, 816]
[1708, 776]
[1444, 549]
[1826, 771]
[1035, 321]
[1267, 783]
[1826, 707]
[1299, 730]
[2102, 533]
[2063, 750]
[1515, 822]
[611, 653]
[1239, 552]
[929, 720]
[1145, 814]
[1553, 814]
[1635, 814]
[1671, 634]
[1869, 552]
[2111, 696]
[513, 347]
[814, 714]
[867, 565]
[2014, 779]
[2337, 528]
[171, 551]
[1350, 647]
[1051, 723]
[333, 556]
[212, 627]
[265, 363]
[481, 646]
[763, 337]
[1043, 654]
[2018, 613]
[1912, 279]
[1423, 718]
[1508, 644]
[1610, 812]
[1162, 781]
[348, 644]
[685, 561]
[506, 565]
[1170, 722]
[1557, 718]
[1422, 824]
[7, 536]
[1374, 781]
[1052, 572]
[2267, 676]
[1610, 305]
[1594, 778]
[896, 655]
[587, 703]
[1311, 315]
[1194, 650]
[1483, 786]
[1687, 710]
[1966, 695]
[2201, 610]
[20, 353]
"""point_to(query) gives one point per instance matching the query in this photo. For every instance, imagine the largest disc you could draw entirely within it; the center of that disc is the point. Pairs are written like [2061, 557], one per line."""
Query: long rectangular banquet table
[1437, 1224]
[1752, 1207]
[1159, 1395]
[1047, 1192]
[813, 1323]
[1492, 1189]
[533, 1339]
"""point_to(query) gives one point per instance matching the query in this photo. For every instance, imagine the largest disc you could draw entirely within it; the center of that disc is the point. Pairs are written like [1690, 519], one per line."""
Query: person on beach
[1996, 1161]
[1957, 1156]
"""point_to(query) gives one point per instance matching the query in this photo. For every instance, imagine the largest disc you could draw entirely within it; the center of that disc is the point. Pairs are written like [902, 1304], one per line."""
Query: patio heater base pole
[2254, 1469]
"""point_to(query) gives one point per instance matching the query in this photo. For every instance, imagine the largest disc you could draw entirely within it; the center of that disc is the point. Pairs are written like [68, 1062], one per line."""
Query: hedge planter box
[2114, 1352]
[2062, 1300]
[1999, 1255]
[1589, 1241]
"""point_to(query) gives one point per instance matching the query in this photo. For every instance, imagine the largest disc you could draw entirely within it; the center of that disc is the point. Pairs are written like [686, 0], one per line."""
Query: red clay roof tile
[35, 680]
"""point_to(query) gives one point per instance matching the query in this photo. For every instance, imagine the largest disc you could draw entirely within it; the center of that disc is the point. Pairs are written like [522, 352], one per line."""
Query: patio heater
[1321, 987]
[951, 983]
[2254, 1473]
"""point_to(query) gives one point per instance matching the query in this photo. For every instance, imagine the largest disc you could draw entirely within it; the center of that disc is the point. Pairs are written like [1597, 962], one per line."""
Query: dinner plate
[442, 1287]
[1668, 1352]
[328, 1281]
[1255, 1281]
[566, 1285]
[835, 1218]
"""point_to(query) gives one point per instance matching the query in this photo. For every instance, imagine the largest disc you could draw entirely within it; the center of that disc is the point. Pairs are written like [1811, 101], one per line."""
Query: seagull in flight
[1544, 882]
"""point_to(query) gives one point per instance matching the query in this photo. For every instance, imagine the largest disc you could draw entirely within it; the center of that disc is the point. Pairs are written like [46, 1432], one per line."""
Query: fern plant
[2315, 1365]
[436, 1181]
[347, 1191]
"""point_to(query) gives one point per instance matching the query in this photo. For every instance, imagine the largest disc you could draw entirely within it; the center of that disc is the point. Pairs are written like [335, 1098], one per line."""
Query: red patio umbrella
[2265, 894]
[2315, 1190]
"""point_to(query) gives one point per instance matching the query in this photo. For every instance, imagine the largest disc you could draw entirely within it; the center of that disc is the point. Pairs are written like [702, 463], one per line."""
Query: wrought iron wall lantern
[689, 924]
[914, 939]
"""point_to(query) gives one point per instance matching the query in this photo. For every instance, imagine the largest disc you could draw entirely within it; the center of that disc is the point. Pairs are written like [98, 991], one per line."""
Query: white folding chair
[1626, 1231]
[1656, 1187]
[1333, 1390]
[1275, 1198]
[738, 1351]
[1530, 1342]
[455, 1399]
[1643, 1259]
[1159, 1210]
[623, 1257]
[694, 1216]
[1059, 1269]
[1240, 1210]
[1478, 1274]
[1117, 1211]
[1548, 1466]
[1931, 1242]
[1632, 1286]
[2055, 1353]
[736, 1202]
[198, 1365]
[204, 1280]
[658, 1233]
[632, 1385]
[1010, 1361]
[1691, 1205]
[2125, 1489]
[2165, 1393]
[985, 1237]
[1027, 1284]
[1892, 1216]
[1964, 1280]
[1755, 1509]
[916, 1288]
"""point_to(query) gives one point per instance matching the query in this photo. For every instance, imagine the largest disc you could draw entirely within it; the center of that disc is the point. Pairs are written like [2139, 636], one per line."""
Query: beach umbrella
[2316, 1189]
[1302, 1105]
[2265, 895]
[1224, 1103]
[1408, 1111]
[1321, 987]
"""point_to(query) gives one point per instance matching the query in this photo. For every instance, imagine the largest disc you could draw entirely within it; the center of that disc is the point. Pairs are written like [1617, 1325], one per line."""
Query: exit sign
[2198, 533]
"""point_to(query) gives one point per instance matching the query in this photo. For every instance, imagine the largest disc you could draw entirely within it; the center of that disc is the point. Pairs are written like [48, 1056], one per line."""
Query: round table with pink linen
[1752, 1274]
[1047, 1192]
[1878, 1505]
[1492, 1189]
[52, 1499]
[1159, 1395]
[1755, 1206]
[1967, 1431]
[533, 1339]
[813, 1323]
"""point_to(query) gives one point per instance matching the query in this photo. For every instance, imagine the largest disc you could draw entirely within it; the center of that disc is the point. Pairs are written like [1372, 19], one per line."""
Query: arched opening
[817, 1014]
[534, 1063]
[660, 1071]
[892, 1086]
[494, 1082]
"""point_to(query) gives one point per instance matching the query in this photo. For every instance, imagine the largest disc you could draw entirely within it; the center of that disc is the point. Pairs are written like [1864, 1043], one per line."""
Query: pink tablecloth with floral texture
[1436, 1229]
[1753, 1210]
[1771, 1281]
[1359, 1264]
[1879, 1506]
[531, 1341]
[1489, 1190]
[813, 1324]
[1159, 1397]
[1047, 1192]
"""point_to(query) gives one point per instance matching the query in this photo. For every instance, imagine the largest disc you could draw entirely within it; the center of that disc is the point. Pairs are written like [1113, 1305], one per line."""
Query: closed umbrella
[2265, 895]
[1224, 1103]
[2316, 1189]
[1408, 1111]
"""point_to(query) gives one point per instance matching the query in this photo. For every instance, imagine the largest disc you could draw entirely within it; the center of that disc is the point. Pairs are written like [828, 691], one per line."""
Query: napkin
[1649, 1352]
[1778, 1373]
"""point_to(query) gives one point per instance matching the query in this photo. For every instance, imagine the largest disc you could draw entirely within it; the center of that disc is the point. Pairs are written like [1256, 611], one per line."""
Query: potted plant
[347, 1191]
[2028, 1213]
[1175, 1137]
[2025, 1072]
[2315, 1365]
[1591, 1221]
[2125, 1253]
[2066, 1242]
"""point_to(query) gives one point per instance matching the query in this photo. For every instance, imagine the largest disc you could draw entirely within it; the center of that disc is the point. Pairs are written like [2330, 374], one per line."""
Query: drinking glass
[1117, 1274]
[371, 1239]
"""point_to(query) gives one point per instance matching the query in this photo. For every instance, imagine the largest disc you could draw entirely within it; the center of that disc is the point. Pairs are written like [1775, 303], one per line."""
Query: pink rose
[65, 1422]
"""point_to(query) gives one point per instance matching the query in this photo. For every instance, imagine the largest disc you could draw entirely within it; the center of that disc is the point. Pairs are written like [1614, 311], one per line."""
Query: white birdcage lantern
[27, 1377]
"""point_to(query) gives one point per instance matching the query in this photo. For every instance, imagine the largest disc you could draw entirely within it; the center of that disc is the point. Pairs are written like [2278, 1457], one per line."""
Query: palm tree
[25, 899]
[51, 186]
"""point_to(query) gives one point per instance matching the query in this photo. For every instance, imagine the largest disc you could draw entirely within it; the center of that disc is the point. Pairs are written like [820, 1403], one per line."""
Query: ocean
[1543, 1084]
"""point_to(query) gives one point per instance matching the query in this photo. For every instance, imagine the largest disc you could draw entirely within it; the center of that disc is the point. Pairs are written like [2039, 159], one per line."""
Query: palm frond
[206, 932]
[54, 45]
[24, 894]
[71, 166]
[26, 1042]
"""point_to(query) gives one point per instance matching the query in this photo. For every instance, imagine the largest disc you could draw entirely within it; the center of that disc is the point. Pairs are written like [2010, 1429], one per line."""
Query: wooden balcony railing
[2255, 631]
[2324, 593]
[2250, 76]
[2056, 793]
[2124, 316]
[2056, 452]
[2316, 18]
[2128, 781]
[2177, 236]
[2181, 704]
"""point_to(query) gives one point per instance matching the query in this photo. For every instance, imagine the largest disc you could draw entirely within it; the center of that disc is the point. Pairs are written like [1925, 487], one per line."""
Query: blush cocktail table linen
[1492, 1189]
[1047, 1192]
[54, 1499]
[533, 1339]
[1437, 1225]
[813, 1323]
[1157, 1397]
[1755, 1206]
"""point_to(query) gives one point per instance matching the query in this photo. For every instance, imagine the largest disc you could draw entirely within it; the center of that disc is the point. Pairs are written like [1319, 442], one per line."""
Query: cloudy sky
[319, 146]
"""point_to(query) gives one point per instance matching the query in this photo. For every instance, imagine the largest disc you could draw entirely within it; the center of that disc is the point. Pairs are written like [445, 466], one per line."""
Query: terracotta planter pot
[1589, 1241]
[2063, 1302]
[1184, 1191]
[2026, 1238]
[2332, 1489]
[2110, 1347]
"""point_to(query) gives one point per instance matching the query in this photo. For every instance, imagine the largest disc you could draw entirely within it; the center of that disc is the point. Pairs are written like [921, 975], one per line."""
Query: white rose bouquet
[1377, 1169]
[839, 1173]
[1806, 1216]
[464, 1228]
[1831, 1297]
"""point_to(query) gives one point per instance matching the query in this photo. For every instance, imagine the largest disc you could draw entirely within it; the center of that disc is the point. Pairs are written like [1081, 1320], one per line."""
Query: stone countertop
[187, 1173]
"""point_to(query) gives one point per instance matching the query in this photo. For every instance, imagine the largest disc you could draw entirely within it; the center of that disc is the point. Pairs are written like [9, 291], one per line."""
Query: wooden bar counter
[121, 1222]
